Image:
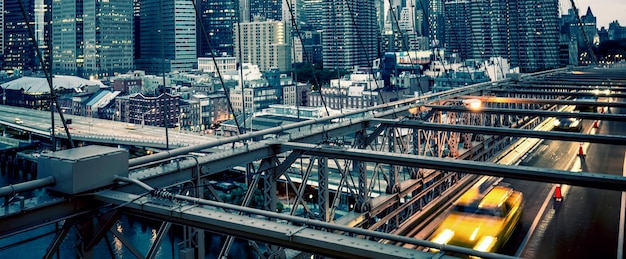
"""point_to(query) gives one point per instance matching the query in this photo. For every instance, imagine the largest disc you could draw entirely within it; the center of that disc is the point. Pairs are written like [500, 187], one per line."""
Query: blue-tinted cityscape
[127, 56]
[310, 128]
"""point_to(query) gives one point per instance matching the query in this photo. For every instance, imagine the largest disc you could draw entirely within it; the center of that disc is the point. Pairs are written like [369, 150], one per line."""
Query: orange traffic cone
[595, 124]
[581, 152]
[558, 196]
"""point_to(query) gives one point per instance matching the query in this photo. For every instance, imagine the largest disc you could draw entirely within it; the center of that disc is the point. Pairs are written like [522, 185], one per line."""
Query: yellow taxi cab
[481, 222]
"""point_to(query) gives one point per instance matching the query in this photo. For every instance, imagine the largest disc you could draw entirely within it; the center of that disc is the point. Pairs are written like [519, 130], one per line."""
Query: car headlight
[443, 237]
[485, 244]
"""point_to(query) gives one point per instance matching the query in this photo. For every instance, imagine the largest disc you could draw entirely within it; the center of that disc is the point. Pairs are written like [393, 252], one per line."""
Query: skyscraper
[459, 33]
[269, 9]
[534, 36]
[167, 29]
[1, 34]
[218, 18]
[19, 49]
[525, 32]
[351, 34]
[92, 39]
[263, 43]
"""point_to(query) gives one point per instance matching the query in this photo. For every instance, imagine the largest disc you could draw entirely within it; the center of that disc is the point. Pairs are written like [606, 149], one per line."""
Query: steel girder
[593, 180]
[535, 112]
[299, 237]
[567, 136]
[322, 188]
[552, 93]
[551, 99]
[567, 86]
[363, 203]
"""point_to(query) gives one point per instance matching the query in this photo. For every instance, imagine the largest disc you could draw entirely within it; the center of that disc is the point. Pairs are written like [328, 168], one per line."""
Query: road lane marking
[574, 165]
[622, 212]
[535, 222]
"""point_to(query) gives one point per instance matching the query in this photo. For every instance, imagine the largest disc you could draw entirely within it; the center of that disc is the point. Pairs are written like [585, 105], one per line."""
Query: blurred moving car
[568, 124]
[483, 222]
[585, 107]
[19, 121]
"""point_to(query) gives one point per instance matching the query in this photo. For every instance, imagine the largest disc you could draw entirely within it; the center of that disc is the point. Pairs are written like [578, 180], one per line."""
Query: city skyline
[606, 11]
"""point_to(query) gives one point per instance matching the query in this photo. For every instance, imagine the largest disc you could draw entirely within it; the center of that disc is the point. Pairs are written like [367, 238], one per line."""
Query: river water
[141, 234]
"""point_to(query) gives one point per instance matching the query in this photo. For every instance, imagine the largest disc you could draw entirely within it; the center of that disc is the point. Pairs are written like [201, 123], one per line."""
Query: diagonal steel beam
[495, 99]
[593, 180]
[567, 136]
[528, 112]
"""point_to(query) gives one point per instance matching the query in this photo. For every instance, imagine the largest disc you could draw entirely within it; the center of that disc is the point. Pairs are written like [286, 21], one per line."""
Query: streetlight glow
[473, 104]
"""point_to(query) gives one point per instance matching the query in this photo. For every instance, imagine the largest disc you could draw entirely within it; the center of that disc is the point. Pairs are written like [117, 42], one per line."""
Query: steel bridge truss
[384, 171]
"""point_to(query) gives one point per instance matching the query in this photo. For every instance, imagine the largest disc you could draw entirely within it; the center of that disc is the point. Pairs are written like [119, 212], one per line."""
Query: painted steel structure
[423, 153]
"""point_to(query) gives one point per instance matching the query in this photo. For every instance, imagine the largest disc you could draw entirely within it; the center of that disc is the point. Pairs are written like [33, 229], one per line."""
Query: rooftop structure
[40, 84]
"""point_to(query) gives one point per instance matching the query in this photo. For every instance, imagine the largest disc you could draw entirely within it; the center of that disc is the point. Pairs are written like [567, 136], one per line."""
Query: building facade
[217, 64]
[268, 9]
[161, 111]
[264, 43]
[1, 35]
[18, 49]
[216, 21]
[92, 39]
[351, 34]
[168, 32]
[212, 110]
[534, 40]
[525, 32]
[616, 31]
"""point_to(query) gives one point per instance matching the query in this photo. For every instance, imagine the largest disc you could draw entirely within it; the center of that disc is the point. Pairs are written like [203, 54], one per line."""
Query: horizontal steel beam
[594, 180]
[567, 136]
[179, 171]
[534, 92]
[41, 211]
[528, 112]
[495, 99]
[300, 237]
[568, 86]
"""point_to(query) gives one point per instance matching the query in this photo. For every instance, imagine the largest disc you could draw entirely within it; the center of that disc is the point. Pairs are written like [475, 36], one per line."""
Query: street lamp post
[180, 120]
[115, 114]
[4, 96]
[143, 117]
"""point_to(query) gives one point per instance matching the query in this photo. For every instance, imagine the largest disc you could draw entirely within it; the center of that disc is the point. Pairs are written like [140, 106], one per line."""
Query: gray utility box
[83, 169]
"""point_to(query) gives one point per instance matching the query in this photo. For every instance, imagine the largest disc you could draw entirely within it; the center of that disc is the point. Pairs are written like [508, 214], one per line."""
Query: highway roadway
[85, 126]
[587, 222]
